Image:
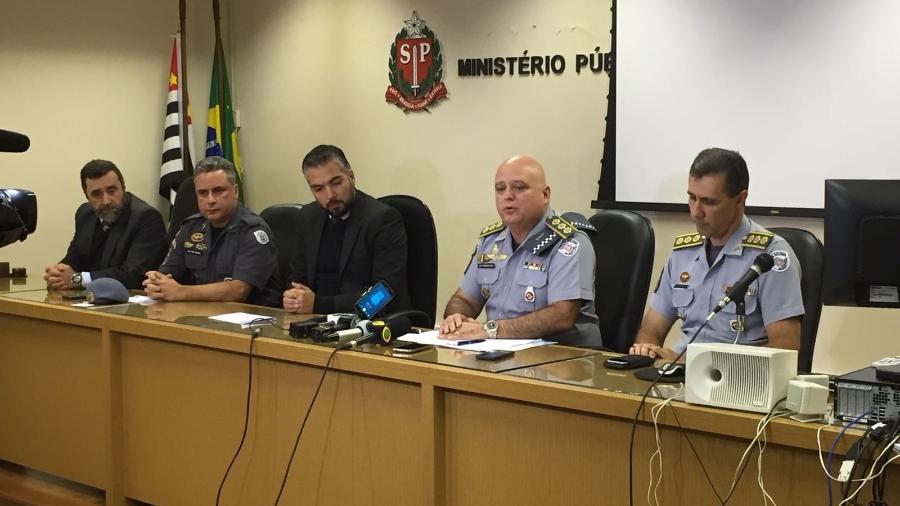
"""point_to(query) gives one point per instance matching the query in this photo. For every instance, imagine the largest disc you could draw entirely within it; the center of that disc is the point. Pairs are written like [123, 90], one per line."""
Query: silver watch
[491, 328]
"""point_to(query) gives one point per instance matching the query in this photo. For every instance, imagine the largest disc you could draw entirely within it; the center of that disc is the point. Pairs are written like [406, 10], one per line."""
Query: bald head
[521, 193]
[526, 166]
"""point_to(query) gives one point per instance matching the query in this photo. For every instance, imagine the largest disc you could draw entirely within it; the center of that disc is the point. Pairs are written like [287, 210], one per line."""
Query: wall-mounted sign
[415, 67]
[533, 65]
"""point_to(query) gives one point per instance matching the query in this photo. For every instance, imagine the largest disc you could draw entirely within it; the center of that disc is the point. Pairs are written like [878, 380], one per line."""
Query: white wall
[87, 80]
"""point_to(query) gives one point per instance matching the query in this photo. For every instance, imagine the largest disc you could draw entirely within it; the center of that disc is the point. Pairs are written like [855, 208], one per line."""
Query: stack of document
[431, 337]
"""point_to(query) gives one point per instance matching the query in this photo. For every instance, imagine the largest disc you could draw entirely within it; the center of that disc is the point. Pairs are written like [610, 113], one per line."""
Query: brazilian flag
[221, 137]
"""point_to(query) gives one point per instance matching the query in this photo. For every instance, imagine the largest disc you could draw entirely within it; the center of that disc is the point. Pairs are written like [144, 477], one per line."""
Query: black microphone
[12, 142]
[383, 330]
[762, 264]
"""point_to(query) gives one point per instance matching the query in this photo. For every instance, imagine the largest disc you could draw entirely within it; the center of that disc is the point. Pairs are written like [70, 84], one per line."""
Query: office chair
[283, 219]
[624, 245]
[185, 205]
[809, 251]
[422, 262]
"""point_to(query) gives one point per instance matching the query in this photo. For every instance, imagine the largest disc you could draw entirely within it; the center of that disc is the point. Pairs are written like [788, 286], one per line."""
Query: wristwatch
[75, 280]
[491, 328]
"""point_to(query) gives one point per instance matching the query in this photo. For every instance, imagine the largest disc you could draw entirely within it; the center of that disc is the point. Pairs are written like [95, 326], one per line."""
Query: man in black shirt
[117, 235]
[351, 241]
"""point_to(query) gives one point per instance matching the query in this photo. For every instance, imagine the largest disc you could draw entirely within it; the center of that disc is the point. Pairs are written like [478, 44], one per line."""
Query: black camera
[18, 215]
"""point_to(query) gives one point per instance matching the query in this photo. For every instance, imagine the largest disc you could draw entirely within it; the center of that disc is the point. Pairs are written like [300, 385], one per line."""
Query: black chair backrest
[422, 263]
[185, 205]
[809, 251]
[283, 219]
[624, 246]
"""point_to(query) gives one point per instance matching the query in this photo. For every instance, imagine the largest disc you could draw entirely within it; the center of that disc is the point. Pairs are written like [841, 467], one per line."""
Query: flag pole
[187, 159]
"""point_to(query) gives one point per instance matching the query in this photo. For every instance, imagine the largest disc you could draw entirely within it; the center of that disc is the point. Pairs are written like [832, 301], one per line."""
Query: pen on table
[470, 341]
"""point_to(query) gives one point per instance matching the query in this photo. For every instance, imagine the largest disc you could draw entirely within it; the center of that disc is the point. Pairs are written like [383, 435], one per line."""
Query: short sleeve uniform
[689, 288]
[512, 283]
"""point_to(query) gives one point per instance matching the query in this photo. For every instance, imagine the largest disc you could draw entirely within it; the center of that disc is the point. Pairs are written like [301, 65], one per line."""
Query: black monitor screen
[862, 243]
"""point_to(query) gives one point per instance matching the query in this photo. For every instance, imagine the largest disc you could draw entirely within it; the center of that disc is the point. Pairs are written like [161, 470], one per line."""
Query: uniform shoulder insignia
[491, 229]
[252, 219]
[560, 226]
[687, 241]
[580, 222]
[759, 239]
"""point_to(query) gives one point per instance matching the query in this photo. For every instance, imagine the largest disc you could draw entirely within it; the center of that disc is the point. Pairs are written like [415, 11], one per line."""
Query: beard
[338, 208]
[108, 214]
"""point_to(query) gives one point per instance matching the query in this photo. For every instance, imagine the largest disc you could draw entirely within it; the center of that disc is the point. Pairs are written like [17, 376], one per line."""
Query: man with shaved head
[532, 271]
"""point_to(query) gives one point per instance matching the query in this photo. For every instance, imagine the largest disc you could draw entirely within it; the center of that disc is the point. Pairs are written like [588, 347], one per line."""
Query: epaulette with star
[687, 241]
[580, 222]
[557, 228]
[758, 240]
[492, 229]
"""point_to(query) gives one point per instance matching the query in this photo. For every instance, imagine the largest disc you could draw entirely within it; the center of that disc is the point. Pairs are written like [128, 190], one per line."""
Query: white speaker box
[750, 378]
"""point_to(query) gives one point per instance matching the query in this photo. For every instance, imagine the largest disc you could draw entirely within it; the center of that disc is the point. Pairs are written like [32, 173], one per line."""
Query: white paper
[431, 337]
[243, 319]
[140, 299]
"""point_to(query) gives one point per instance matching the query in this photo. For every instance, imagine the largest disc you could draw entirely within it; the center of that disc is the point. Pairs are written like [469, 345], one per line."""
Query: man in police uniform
[224, 253]
[533, 271]
[704, 264]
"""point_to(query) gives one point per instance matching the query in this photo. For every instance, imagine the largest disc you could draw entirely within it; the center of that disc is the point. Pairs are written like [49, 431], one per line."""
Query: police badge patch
[782, 260]
[261, 237]
[568, 247]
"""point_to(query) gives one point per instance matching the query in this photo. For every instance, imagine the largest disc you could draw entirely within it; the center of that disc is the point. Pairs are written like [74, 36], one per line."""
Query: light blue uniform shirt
[689, 288]
[511, 283]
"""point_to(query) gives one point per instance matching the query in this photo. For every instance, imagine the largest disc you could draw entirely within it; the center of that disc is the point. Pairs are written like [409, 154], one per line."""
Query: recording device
[762, 264]
[18, 215]
[374, 300]
[301, 329]
[320, 329]
[361, 329]
[383, 331]
[18, 208]
[13, 142]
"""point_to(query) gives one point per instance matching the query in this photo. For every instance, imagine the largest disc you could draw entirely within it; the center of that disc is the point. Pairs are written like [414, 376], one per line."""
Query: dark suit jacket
[136, 243]
[374, 249]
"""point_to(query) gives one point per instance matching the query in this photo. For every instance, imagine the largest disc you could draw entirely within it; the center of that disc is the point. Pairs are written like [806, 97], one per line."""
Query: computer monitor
[862, 243]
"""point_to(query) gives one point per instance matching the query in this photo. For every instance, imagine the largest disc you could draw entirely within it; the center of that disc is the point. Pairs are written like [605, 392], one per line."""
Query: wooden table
[147, 402]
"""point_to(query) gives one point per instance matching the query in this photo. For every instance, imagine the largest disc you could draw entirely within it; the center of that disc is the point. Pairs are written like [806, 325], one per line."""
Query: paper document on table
[431, 337]
[243, 319]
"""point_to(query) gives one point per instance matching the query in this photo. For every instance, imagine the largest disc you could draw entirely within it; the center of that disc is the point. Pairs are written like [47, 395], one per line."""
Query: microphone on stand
[762, 264]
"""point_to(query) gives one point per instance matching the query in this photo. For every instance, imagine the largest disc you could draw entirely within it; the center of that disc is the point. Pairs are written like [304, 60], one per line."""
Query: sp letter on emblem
[415, 67]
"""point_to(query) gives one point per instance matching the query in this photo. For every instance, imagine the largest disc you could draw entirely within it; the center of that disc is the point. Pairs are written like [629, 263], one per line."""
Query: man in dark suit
[351, 241]
[117, 235]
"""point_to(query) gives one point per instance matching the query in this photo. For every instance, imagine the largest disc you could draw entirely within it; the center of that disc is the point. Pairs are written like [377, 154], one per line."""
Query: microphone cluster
[383, 331]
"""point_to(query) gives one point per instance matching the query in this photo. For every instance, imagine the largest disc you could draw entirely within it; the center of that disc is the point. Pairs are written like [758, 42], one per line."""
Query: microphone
[383, 330]
[762, 264]
[12, 142]
[362, 329]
